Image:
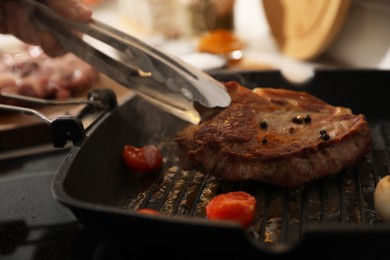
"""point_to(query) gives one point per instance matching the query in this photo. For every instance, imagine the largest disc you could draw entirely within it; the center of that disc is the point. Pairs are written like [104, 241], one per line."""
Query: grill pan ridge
[94, 183]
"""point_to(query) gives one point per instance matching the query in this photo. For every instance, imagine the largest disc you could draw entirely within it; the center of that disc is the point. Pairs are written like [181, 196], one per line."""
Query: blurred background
[294, 36]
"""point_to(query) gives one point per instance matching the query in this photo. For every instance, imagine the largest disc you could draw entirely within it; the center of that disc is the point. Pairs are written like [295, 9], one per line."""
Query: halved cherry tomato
[143, 159]
[148, 211]
[237, 206]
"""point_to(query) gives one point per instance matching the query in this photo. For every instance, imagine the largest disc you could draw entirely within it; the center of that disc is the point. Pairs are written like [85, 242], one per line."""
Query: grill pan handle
[65, 127]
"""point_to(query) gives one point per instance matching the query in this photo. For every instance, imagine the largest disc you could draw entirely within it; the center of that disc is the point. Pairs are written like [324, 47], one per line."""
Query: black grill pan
[334, 215]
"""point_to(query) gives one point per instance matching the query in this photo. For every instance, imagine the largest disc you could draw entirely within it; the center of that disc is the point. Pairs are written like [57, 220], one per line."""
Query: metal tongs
[165, 79]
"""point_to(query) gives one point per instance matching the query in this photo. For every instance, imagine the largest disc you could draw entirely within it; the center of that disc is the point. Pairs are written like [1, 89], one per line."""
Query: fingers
[50, 45]
[15, 20]
[19, 25]
[71, 9]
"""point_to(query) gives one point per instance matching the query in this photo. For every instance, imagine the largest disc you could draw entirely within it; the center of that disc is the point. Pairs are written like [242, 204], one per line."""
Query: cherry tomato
[148, 211]
[143, 159]
[237, 206]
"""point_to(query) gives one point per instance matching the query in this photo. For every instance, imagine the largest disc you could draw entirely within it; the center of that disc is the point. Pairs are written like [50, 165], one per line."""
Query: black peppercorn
[297, 120]
[263, 124]
[264, 140]
[307, 119]
[325, 137]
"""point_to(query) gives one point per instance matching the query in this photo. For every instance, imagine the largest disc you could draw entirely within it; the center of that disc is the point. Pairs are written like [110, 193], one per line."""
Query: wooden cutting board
[303, 29]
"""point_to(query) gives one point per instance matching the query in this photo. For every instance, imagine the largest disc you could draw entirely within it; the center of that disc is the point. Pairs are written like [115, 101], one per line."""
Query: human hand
[14, 19]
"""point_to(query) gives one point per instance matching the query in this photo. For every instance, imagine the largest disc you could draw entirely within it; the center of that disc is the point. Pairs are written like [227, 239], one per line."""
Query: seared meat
[276, 136]
[30, 72]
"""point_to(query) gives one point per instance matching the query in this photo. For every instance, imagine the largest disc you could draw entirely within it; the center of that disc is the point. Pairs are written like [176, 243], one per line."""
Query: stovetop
[33, 225]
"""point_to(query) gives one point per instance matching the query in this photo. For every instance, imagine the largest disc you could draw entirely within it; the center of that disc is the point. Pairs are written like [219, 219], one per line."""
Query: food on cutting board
[30, 72]
[236, 206]
[382, 198]
[144, 159]
[281, 137]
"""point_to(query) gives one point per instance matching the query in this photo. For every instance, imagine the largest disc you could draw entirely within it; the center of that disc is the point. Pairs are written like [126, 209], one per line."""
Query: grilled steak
[277, 136]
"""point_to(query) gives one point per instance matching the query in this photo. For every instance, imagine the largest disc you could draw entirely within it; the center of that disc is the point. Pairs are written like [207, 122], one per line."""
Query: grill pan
[334, 215]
